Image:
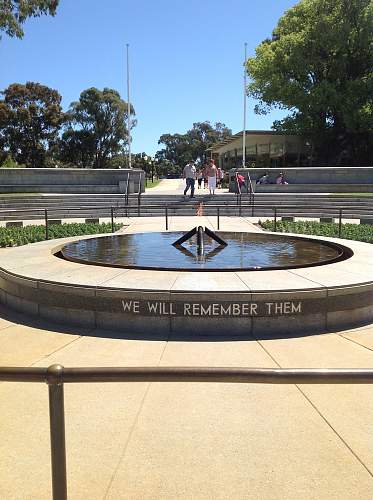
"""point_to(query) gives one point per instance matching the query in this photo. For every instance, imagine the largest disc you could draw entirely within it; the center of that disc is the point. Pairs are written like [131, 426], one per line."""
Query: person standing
[199, 178]
[219, 177]
[212, 172]
[281, 179]
[204, 174]
[189, 174]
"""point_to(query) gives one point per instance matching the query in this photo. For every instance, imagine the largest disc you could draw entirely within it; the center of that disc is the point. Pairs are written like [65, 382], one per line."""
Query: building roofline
[248, 132]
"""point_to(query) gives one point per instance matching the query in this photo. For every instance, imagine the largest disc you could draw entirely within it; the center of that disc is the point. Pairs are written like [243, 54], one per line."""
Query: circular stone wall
[134, 301]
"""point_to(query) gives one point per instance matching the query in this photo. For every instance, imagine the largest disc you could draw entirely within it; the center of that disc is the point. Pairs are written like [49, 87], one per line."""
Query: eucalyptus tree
[13, 13]
[97, 127]
[30, 119]
[180, 148]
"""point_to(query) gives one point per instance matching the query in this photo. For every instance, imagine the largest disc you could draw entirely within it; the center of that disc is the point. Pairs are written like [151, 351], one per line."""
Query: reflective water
[244, 251]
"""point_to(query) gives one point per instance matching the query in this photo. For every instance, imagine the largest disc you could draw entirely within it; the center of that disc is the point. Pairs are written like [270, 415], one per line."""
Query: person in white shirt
[189, 174]
[212, 172]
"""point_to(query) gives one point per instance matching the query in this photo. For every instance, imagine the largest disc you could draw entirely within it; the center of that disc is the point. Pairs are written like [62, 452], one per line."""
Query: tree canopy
[180, 148]
[96, 128]
[13, 13]
[30, 118]
[318, 64]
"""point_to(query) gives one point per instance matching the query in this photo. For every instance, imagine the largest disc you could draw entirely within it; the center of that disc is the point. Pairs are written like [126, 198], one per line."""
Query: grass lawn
[352, 194]
[17, 195]
[150, 184]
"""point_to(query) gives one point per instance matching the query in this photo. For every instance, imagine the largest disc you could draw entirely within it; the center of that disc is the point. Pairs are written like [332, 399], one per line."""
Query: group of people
[211, 176]
[264, 179]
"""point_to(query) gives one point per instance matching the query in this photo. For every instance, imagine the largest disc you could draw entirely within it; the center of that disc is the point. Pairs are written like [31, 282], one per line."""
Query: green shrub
[16, 236]
[358, 232]
[10, 163]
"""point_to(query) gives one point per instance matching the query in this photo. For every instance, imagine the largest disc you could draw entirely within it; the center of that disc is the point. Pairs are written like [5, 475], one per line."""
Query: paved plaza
[185, 440]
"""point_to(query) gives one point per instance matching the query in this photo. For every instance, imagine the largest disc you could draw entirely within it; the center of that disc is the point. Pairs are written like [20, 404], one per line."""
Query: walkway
[177, 186]
[188, 441]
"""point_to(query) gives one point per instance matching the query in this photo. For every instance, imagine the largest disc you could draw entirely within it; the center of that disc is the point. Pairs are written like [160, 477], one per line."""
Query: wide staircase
[66, 206]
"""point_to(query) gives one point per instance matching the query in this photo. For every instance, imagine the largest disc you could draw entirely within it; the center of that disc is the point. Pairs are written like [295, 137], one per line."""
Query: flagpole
[244, 111]
[128, 110]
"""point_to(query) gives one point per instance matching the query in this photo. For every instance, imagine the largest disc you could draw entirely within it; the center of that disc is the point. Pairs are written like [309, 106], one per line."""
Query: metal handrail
[326, 209]
[182, 204]
[252, 192]
[56, 376]
[127, 187]
[139, 189]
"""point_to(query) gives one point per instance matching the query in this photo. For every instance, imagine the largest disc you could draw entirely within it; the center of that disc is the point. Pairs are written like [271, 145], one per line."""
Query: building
[264, 149]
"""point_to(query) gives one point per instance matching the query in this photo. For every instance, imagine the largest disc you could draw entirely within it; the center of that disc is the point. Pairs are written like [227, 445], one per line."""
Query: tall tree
[180, 148]
[13, 13]
[30, 118]
[319, 66]
[97, 127]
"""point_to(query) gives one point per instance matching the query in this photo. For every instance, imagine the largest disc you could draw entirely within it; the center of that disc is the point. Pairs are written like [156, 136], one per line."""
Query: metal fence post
[46, 224]
[218, 216]
[340, 223]
[166, 215]
[275, 209]
[112, 219]
[57, 431]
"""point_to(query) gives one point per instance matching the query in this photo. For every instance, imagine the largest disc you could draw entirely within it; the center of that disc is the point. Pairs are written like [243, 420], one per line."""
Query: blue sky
[186, 58]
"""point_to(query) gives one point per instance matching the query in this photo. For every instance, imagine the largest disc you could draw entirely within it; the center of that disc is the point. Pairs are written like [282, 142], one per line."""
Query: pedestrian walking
[189, 174]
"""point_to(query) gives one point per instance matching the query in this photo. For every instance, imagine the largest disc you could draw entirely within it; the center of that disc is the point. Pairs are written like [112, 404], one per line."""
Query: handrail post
[218, 217]
[46, 224]
[57, 431]
[166, 215]
[275, 209]
[112, 219]
[340, 223]
[139, 192]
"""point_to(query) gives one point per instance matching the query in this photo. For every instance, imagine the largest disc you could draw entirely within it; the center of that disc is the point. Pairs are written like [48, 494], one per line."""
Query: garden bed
[357, 232]
[16, 236]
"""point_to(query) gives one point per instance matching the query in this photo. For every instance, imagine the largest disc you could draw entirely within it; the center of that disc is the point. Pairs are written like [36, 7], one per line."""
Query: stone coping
[296, 301]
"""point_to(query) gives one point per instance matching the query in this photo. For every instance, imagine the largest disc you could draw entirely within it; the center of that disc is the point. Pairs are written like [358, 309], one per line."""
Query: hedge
[358, 232]
[16, 236]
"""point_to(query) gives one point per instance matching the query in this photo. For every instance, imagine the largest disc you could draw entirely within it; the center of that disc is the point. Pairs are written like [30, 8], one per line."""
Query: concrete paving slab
[24, 442]
[222, 441]
[209, 281]
[143, 280]
[99, 419]
[362, 336]
[328, 276]
[23, 346]
[348, 409]
[83, 275]
[276, 280]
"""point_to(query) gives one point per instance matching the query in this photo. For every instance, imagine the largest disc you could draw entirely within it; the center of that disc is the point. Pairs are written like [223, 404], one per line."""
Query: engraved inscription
[212, 309]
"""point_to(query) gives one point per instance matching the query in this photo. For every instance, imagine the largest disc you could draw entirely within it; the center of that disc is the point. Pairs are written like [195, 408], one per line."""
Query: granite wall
[71, 180]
